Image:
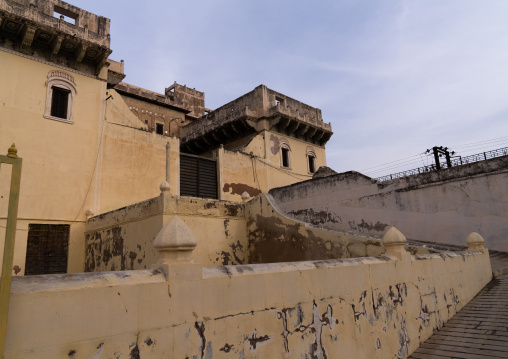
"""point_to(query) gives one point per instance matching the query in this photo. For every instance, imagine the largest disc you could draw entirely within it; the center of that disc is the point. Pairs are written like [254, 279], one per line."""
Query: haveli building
[93, 143]
[164, 204]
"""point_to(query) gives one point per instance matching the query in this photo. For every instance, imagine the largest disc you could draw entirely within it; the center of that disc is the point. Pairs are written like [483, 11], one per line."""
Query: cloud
[393, 77]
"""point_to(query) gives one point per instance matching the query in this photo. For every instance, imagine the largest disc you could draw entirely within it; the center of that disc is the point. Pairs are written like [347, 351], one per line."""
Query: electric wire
[480, 142]
[305, 177]
[465, 149]
[402, 159]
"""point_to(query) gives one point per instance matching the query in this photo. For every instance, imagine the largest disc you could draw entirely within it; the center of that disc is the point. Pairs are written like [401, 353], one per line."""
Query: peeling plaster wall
[123, 239]
[228, 233]
[263, 170]
[274, 237]
[443, 206]
[305, 309]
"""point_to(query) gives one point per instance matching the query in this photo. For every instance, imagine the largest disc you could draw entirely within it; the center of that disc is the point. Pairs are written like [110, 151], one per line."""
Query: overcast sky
[393, 77]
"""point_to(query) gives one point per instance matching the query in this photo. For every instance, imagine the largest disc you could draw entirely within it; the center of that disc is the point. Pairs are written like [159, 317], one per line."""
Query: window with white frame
[60, 93]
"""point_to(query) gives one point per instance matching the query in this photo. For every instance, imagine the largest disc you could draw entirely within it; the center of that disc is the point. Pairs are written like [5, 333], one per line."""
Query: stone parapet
[248, 113]
[30, 27]
[358, 308]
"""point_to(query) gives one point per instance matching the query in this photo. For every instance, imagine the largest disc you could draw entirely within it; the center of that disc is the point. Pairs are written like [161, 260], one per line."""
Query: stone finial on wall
[12, 152]
[165, 187]
[175, 243]
[245, 196]
[475, 242]
[394, 242]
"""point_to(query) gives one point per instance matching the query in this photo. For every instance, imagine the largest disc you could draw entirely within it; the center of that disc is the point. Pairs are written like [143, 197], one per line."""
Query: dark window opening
[47, 247]
[312, 164]
[65, 15]
[285, 157]
[59, 102]
[159, 128]
[146, 122]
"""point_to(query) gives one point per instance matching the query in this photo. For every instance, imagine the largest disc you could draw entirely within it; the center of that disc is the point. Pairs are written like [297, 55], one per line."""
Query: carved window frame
[66, 82]
[284, 145]
[311, 154]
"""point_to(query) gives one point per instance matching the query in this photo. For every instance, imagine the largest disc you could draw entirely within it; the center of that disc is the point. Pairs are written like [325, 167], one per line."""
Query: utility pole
[439, 152]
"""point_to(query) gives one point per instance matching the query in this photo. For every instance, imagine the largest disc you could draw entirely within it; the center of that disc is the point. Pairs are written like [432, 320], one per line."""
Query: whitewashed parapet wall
[368, 307]
[438, 206]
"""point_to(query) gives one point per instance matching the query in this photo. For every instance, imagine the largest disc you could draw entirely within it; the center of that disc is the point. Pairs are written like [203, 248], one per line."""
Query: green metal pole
[10, 235]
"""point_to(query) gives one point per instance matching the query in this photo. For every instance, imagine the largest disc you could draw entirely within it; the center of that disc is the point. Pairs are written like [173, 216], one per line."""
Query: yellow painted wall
[107, 159]
[152, 114]
[124, 239]
[263, 170]
[58, 158]
[252, 311]
[103, 161]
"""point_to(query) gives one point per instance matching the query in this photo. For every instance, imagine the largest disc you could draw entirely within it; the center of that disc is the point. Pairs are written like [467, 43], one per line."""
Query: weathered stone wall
[255, 105]
[123, 239]
[274, 237]
[353, 308]
[442, 206]
[257, 167]
[228, 233]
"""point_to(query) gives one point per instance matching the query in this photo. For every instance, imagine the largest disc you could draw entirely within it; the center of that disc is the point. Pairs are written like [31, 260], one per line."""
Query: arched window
[60, 94]
[311, 160]
[285, 153]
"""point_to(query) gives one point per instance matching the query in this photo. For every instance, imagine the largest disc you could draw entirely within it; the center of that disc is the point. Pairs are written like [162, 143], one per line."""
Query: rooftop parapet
[115, 72]
[151, 96]
[77, 39]
[192, 98]
[259, 109]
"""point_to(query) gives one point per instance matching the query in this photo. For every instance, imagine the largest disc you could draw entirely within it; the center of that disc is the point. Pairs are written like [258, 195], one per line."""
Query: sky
[393, 77]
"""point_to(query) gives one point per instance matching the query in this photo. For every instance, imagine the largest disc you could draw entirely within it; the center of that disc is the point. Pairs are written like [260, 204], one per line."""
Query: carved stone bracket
[56, 47]
[28, 38]
[80, 54]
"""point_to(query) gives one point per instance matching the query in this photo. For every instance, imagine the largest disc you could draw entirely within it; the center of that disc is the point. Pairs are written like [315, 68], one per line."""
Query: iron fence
[455, 161]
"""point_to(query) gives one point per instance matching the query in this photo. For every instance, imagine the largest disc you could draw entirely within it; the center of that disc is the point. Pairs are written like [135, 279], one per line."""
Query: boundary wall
[441, 206]
[226, 232]
[356, 308]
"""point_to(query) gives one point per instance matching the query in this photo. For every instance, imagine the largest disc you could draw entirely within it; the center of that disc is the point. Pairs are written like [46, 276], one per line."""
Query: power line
[474, 143]
[394, 166]
[473, 147]
[384, 164]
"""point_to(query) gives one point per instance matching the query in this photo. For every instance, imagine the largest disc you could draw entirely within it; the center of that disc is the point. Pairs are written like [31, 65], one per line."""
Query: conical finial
[12, 151]
[394, 242]
[475, 242]
[394, 237]
[175, 242]
[245, 196]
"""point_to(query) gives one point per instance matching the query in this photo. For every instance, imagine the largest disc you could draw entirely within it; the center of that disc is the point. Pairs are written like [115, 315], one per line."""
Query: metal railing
[455, 161]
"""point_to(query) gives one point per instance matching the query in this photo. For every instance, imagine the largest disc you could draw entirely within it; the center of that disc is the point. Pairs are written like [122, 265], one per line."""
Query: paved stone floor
[480, 329]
